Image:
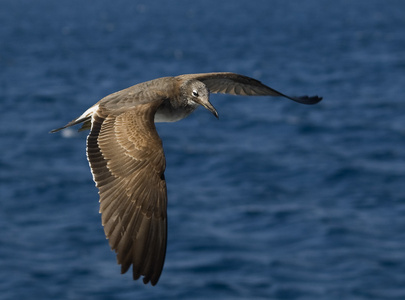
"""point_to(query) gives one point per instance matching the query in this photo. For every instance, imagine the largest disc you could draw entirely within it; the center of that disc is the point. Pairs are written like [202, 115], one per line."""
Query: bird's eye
[195, 93]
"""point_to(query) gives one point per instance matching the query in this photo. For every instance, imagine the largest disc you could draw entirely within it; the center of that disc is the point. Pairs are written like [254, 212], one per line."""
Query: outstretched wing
[235, 84]
[127, 162]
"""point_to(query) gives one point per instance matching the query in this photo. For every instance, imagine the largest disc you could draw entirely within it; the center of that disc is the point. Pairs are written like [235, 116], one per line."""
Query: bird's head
[196, 93]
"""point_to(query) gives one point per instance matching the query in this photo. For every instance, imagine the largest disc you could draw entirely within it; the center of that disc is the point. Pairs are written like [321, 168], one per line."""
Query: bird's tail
[85, 118]
[86, 124]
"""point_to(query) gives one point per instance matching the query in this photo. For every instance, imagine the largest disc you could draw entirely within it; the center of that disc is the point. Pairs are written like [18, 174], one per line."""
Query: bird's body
[127, 160]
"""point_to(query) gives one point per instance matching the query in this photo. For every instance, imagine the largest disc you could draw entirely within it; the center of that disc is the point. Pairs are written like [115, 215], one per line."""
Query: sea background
[275, 200]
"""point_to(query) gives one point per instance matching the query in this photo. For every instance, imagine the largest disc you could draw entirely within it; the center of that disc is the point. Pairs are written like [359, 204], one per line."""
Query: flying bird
[127, 161]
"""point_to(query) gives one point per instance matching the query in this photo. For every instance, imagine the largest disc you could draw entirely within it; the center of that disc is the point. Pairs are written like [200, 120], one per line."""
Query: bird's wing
[127, 162]
[235, 84]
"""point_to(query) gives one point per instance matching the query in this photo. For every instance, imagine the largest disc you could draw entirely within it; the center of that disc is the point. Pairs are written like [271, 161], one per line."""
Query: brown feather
[127, 160]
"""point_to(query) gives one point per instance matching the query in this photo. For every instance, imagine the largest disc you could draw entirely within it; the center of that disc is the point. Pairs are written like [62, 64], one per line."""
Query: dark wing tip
[307, 99]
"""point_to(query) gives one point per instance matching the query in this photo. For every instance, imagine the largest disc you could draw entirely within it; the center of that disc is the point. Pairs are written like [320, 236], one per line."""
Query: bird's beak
[211, 108]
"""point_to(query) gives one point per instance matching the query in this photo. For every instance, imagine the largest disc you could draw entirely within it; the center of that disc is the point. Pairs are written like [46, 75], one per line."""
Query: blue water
[274, 200]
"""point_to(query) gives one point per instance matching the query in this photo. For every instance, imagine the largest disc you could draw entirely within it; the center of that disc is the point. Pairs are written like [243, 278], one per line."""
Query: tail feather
[86, 125]
[85, 117]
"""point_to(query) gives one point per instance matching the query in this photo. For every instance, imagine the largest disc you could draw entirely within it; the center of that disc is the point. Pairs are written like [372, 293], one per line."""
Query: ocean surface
[275, 200]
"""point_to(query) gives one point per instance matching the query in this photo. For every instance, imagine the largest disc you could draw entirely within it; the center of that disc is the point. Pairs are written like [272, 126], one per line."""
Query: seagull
[126, 158]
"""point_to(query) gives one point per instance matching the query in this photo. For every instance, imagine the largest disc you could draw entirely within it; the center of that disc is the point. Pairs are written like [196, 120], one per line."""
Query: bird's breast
[167, 113]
